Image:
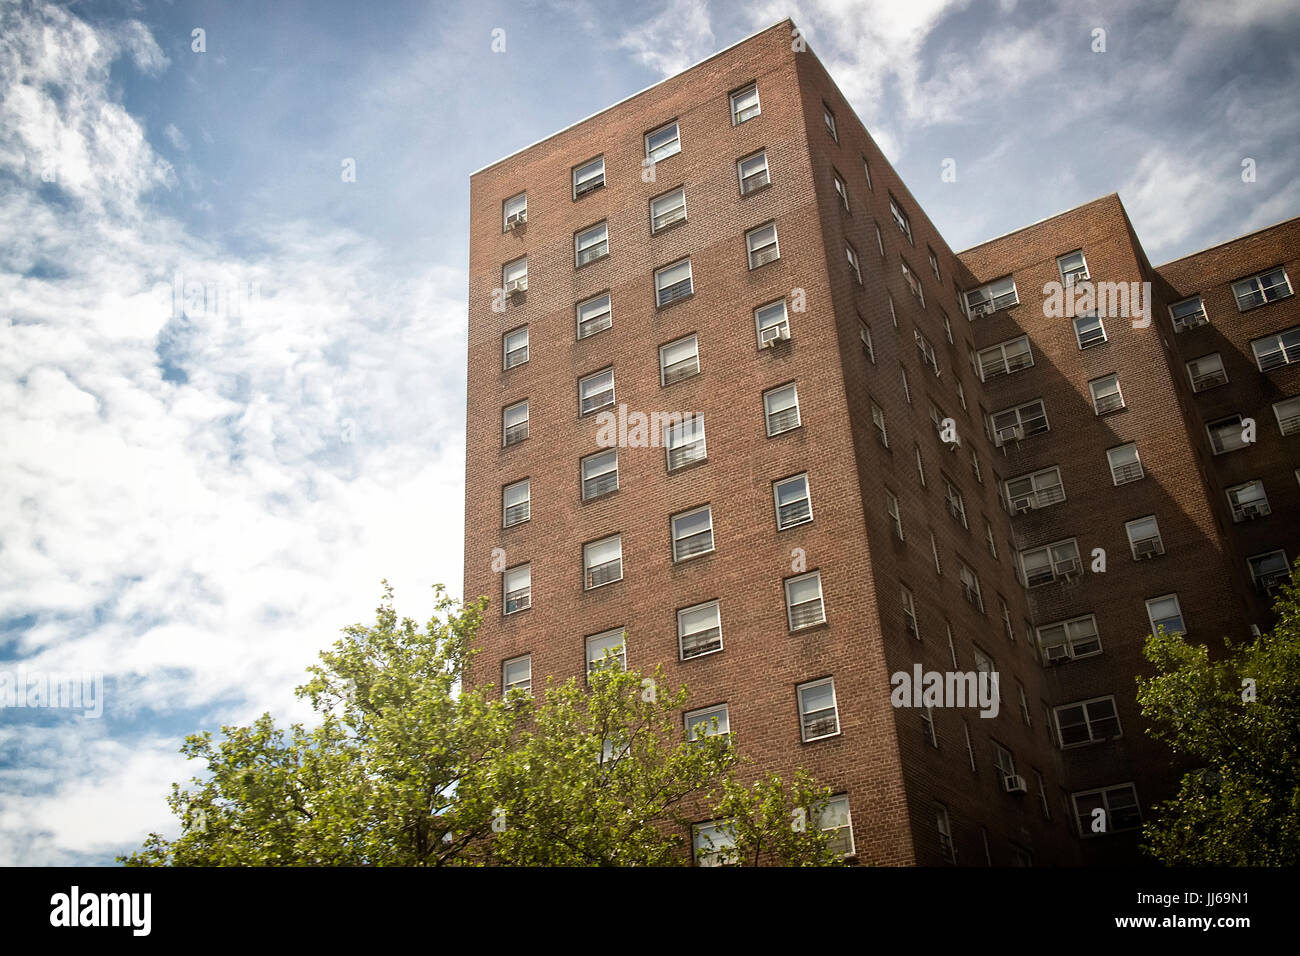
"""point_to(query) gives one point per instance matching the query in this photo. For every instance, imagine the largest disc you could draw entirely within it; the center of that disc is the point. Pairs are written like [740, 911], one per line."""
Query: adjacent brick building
[860, 481]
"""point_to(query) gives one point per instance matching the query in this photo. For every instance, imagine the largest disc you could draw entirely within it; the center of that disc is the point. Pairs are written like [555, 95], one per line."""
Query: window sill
[591, 262]
[668, 228]
[757, 189]
[819, 626]
[668, 305]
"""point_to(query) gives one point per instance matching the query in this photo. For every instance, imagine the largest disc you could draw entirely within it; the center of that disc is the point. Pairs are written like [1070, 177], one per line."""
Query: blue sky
[194, 501]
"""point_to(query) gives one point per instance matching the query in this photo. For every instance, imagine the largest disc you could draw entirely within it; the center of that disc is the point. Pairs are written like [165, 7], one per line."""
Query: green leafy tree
[1237, 720]
[407, 767]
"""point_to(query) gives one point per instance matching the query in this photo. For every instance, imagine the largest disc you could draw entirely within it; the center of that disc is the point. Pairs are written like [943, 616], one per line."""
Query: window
[762, 246]
[819, 717]
[588, 177]
[920, 465]
[1005, 358]
[1024, 705]
[866, 171]
[707, 722]
[992, 545]
[684, 442]
[1023, 421]
[595, 391]
[1226, 435]
[1106, 395]
[878, 420]
[517, 674]
[699, 630]
[910, 623]
[602, 562]
[663, 142]
[1268, 571]
[514, 277]
[990, 298]
[1044, 565]
[970, 586]
[895, 516]
[1109, 810]
[514, 347]
[1004, 763]
[514, 423]
[1088, 330]
[793, 502]
[834, 818]
[893, 313]
[673, 282]
[803, 600]
[1144, 537]
[913, 282]
[692, 533]
[607, 649]
[781, 406]
[1206, 372]
[900, 219]
[961, 392]
[1087, 722]
[864, 333]
[1008, 628]
[591, 244]
[829, 117]
[907, 389]
[772, 316]
[1275, 351]
[841, 190]
[975, 466]
[594, 316]
[744, 104]
[1248, 501]
[1164, 612]
[952, 648]
[1066, 640]
[946, 847]
[947, 330]
[934, 267]
[1260, 289]
[599, 474]
[753, 172]
[880, 240]
[515, 502]
[1188, 314]
[1125, 466]
[667, 209]
[1037, 490]
[714, 844]
[926, 352]
[927, 726]
[1073, 267]
[679, 360]
[956, 503]
[852, 255]
[517, 589]
[1042, 795]
[1287, 413]
[514, 211]
[934, 553]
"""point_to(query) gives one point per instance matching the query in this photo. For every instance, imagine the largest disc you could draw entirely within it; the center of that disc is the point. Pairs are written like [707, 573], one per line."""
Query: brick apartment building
[888, 457]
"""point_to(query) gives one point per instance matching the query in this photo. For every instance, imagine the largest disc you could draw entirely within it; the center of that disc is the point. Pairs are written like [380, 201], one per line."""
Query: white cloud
[677, 37]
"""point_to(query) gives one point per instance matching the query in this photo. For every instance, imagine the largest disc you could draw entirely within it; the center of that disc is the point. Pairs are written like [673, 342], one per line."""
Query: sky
[197, 494]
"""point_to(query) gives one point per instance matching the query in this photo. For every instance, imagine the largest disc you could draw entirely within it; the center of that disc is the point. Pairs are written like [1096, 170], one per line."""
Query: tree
[1237, 720]
[407, 767]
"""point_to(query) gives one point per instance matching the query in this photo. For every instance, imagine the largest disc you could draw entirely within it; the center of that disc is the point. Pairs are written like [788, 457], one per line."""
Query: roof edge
[1037, 222]
[1227, 242]
[647, 89]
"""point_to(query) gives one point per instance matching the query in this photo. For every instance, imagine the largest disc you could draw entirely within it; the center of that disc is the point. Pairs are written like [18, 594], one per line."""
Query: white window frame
[947, 849]
[506, 424]
[901, 219]
[1178, 607]
[602, 642]
[669, 147]
[677, 538]
[606, 313]
[991, 297]
[1287, 344]
[1206, 372]
[682, 635]
[739, 106]
[815, 576]
[765, 318]
[524, 684]
[507, 351]
[805, 713]
[828, 117]
[1070, 271]
[772, 395]
[526, 501]
[1088, 723]
[1185, 319]
[742, 176]
[580, 180]
[913, 282]
[660, 302]
[895, 514]
[934, 267]
[837, 805]
[1017, 432]
[1055, 563]
[1042, 491]
[584, 477]
[1246, 507]
[805, 496]
[588, 567]
[512, 575]
[597, 380]
[841, 189]
[970, 585]
[1266, 582]
[714, 843]
[1137, 460]
[878, 420]
[1147, 544]
[667, 204]
[579, 248]
[706, 717]
[907, 600]
[1004, 358]
[674, 429]
[1217, 445]
[1288, 419]
[1254, 286]
[513, 207]
[514, 276]
[1072, 638]
[852, 255]
[1089, 317]
[1084, 822]
[666, 349]
[754, 252]
[1101, 392]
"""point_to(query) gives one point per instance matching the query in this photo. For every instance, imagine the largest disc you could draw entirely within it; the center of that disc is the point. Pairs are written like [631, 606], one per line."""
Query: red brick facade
[883, 758]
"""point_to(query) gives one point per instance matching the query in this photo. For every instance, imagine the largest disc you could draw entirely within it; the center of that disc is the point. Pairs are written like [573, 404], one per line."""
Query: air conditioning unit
[1057, 653]
[1076, 277]
[1023, 506]
[773, 334]
[981, 310]
[1250, 512]
[517, 286]
[1014, 783]
[1148, 548]
[1004, 435]
[516, 219]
